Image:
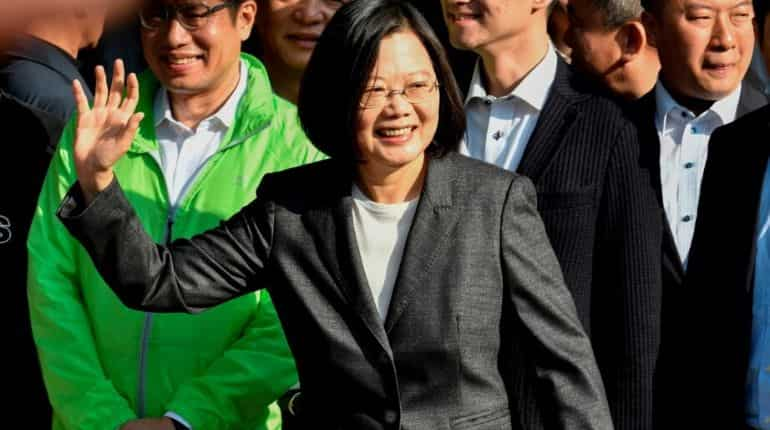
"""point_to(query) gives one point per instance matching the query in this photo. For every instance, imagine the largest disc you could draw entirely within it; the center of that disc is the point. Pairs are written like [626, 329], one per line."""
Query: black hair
[761, 9]
[340, 67]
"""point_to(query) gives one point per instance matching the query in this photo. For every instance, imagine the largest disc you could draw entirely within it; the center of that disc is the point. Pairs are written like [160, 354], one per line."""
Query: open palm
[104, 132]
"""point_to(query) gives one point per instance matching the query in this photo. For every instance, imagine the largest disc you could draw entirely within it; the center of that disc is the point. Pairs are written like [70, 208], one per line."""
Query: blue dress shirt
[758, 382]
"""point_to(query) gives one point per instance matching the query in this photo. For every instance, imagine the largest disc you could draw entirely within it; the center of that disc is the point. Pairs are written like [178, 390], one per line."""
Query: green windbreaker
[105, 364]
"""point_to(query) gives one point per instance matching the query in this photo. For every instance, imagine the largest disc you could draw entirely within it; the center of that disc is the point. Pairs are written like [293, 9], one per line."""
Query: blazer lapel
[557, 115]
[650, 142]
[433, 222]
[332, 226]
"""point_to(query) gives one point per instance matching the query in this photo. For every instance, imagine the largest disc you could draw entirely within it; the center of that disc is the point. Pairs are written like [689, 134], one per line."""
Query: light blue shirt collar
[726, 108]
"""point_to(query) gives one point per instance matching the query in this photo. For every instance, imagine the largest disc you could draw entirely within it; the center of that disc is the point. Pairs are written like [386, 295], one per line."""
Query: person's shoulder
[305, 184]
[754, 124]
[477, 177]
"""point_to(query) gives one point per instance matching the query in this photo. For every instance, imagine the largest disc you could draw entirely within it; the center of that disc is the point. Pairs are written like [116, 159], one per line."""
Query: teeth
[393, 132]
[187, 60]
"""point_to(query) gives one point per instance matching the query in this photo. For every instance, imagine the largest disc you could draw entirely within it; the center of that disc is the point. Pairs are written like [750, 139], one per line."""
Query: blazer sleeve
[189, 275]
[560, 348]
[626, 305]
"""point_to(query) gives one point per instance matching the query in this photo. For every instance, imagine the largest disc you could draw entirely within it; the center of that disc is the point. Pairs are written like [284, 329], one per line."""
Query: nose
[397, 105]
[722, 35]
[311, 12]
[176, 34]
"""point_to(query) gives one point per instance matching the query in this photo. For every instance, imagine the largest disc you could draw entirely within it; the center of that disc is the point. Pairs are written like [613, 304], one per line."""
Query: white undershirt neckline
[381, 232]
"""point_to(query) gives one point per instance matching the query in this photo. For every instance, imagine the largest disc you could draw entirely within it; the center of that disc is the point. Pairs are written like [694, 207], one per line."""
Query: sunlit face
[594, 46]
[204, 60]
[397, 133]
[705, 46]
[477, 24]
[289, 29]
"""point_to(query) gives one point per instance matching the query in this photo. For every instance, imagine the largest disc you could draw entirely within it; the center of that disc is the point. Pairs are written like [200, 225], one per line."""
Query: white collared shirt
[182, 151]
[683, 150]
[498, 128]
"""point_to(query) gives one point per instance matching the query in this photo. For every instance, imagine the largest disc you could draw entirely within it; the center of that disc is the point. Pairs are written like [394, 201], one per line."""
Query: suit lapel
[557, 115]
[332, 226]
[650, 140]
[433, 221]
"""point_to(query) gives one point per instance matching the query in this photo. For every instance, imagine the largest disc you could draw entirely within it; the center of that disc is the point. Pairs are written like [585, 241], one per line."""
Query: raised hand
[104, 131]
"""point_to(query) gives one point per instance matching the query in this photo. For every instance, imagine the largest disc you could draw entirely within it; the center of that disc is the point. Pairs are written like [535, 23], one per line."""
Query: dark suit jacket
[476, 264]
[26, 160]
[680, 378]
[721, 264]
[39, 75]
[598, 205]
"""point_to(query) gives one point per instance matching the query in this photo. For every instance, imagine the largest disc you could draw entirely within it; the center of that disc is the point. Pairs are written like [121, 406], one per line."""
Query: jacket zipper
[146, 330]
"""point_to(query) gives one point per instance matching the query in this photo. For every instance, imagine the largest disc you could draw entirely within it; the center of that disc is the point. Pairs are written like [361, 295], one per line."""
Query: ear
[537, 5]
[651, 28]
[247, 12]
[632, 39]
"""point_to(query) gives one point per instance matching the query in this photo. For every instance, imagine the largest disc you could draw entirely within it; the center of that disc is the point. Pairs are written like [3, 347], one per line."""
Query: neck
[506, 64]
[284, 80]
[696, 105]
[387, 185]
[191, 109]
[63, 38]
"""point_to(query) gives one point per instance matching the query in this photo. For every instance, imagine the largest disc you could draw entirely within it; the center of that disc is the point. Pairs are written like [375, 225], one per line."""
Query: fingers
[128, 133]
[132, 95]
[100, 96]
[117, 86]
[81, 101]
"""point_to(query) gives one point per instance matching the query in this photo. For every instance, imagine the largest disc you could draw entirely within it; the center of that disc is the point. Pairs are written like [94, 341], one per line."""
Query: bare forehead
[402, 54]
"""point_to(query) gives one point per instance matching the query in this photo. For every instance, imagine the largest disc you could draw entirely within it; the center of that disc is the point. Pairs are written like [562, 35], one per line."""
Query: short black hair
[340, 67]
[761, 9]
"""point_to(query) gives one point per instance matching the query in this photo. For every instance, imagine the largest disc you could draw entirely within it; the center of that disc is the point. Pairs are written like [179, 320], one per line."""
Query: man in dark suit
[527, 111]
[38, 68]
[30, 157]
[704, 49]
[729, 266]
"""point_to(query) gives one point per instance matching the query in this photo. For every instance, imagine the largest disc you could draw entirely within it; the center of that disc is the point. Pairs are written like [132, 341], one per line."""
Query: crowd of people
[389, 214]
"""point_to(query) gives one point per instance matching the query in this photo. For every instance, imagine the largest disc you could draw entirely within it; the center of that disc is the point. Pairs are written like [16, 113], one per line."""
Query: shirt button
[391, 416]
[689, 165]
[487, 102]
[686, 218]
[684, 114]
[694, 130]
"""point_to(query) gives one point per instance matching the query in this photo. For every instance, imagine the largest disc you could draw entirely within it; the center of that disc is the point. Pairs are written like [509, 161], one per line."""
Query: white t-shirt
[381, 231]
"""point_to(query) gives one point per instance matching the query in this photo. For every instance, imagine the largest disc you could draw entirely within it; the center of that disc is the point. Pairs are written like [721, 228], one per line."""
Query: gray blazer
[477, 283]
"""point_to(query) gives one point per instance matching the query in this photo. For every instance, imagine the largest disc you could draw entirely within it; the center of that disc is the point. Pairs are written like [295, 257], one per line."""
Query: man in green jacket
[211, 129]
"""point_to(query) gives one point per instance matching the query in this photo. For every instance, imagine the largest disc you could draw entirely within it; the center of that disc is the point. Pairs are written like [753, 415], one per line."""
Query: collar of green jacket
[255, 110]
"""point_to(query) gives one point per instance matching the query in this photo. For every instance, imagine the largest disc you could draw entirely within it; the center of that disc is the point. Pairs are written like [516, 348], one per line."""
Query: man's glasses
[191, 16]
[414, 92]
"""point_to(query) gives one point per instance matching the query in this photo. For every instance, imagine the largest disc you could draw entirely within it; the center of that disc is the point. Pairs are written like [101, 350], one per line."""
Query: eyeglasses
[414, 92]
[191, 16]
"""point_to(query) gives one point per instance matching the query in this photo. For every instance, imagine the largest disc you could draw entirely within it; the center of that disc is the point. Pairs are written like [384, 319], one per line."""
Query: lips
[395, 133]
[306, 39]
[462, 17]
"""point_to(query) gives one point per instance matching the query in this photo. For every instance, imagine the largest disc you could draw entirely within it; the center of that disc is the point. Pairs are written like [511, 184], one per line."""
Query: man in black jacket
[38, 68]
[704, 48]
[29, 156]
[527, 111]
